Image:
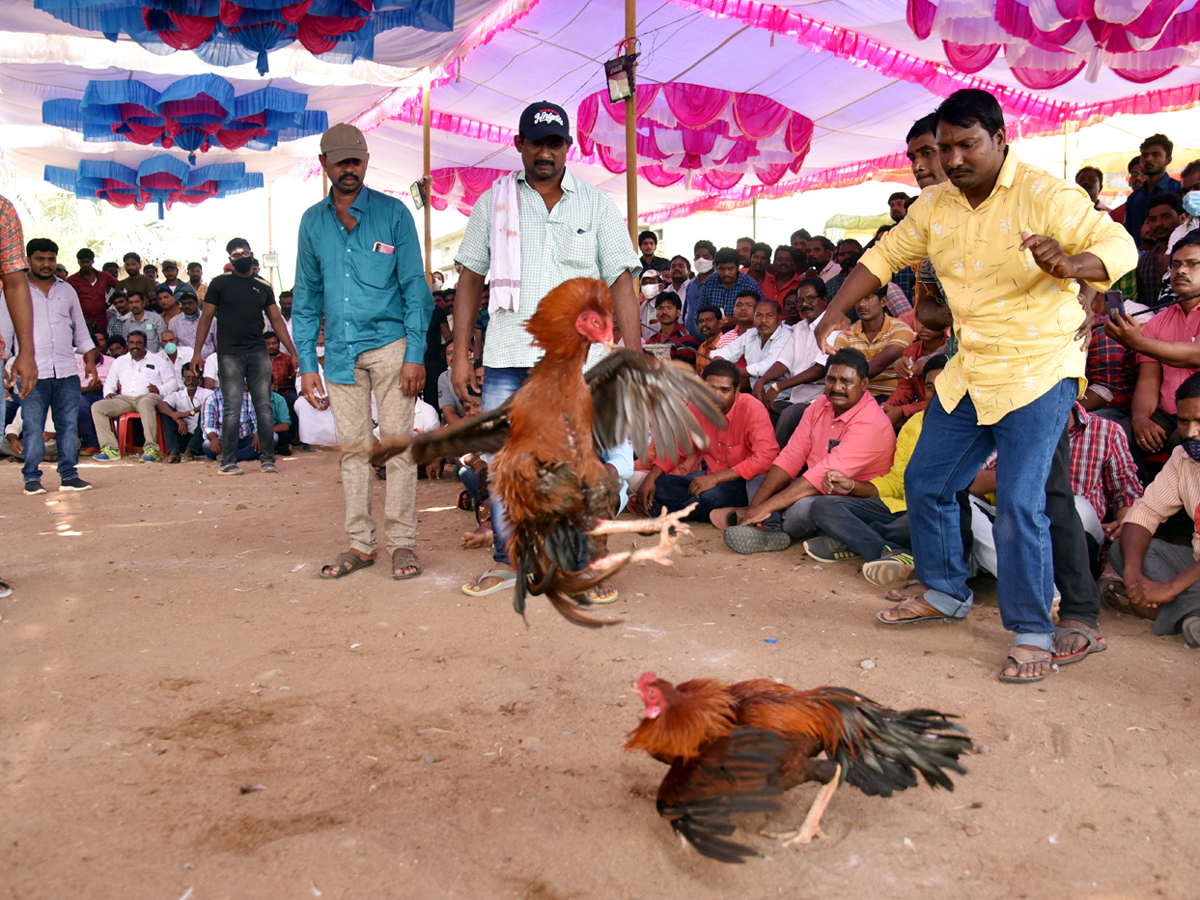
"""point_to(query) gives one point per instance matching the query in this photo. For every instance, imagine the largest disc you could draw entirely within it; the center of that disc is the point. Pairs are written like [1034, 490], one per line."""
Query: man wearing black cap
[359, 266]
[530, 232]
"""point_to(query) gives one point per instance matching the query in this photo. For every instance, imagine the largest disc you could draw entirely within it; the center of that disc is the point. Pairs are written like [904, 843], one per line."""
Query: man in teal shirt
[359, 265]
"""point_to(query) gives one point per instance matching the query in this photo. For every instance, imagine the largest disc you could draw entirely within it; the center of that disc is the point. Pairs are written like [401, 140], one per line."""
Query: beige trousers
[145, 405]
[376, 370]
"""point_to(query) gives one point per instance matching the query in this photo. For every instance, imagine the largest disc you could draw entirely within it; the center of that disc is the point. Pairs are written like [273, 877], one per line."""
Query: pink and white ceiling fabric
[1047, 43]
[705, 136]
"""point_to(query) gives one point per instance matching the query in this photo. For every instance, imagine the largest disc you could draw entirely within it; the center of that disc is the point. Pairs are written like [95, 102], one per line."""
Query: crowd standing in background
[877, 408]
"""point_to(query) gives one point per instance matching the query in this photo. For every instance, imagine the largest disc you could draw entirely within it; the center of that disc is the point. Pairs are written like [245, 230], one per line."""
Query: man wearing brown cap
[359, 268]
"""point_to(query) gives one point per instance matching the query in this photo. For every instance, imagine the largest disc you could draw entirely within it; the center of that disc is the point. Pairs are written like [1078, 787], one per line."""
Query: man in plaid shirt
[20, 308]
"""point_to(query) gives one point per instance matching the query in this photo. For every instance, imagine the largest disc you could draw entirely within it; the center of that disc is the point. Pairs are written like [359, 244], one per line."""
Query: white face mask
[704, 266]
[650, 291]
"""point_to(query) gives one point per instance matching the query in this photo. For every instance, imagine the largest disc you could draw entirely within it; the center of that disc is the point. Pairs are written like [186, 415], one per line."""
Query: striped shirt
[212, 411]
[1176, 487]
[894, 333]
[584, 236]
[12, 240]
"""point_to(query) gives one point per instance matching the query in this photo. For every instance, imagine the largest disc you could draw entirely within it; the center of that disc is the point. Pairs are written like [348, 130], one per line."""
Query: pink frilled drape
[461, 187]
[1048, 42]
[708, 137]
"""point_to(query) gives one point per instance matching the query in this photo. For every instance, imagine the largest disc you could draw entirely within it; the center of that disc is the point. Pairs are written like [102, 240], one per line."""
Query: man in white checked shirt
[568, 229]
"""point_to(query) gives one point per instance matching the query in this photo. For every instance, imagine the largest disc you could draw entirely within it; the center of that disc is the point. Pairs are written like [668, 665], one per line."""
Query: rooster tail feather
[548, 566]
[883, 750]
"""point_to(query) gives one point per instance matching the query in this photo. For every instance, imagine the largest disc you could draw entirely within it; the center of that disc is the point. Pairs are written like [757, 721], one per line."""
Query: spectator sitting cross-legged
[798, 376]
[844, 430]
[870, 518]
[742, 450]
[91, 390]
[175, 353]
[756, 349]
[212, 419]
[910, 396]
[708, 323]
[1159, 580]
[283, 383]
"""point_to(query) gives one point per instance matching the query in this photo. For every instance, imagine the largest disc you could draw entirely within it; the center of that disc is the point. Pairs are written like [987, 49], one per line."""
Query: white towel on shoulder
[505, 282]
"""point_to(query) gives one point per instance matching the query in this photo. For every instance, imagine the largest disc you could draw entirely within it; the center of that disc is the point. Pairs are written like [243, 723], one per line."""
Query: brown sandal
[345, 564]
[405, 558]
[914, 611]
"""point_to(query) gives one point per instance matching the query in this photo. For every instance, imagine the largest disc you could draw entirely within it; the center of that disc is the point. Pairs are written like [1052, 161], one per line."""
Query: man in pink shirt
[844, 429]
[737, 453]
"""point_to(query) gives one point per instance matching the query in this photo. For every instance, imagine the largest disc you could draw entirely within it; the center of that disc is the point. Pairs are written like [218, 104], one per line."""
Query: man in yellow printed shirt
[1008, 242]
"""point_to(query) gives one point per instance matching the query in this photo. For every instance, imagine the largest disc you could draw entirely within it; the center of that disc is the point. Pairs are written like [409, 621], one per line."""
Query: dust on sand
[184, 705]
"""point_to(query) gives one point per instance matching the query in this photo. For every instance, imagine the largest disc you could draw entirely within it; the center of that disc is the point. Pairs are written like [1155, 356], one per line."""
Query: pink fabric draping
[1045, 79]
[970, 58]
[644, 96]
[1144, 77]
[919, 15]
[660, 177]
[695, 106]
[758, 117]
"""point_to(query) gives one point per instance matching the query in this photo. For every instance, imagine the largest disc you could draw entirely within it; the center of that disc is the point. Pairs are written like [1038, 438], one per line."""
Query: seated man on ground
[135, 383]
[910, 396]
[1167, 352]
[90, 392]
[13, 445]
[744, 307]
[651, 285]
[175, 353]
[881, 339]
[759, 348]
[671, 331]
[743, 450]
[708, 323]
[1160, 580]
[870, 518]
[1111, 368]
[844, 430]
[180, 411]
[211, 413]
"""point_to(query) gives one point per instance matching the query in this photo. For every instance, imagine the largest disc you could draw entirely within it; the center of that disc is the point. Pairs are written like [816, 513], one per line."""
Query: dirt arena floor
[187, 711]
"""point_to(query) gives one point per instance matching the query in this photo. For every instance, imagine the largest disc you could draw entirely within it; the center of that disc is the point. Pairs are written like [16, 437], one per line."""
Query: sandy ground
[187, 710]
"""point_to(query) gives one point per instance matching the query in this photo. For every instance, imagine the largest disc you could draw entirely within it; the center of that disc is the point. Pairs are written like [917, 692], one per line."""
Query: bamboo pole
[425, 129]
[631, 198]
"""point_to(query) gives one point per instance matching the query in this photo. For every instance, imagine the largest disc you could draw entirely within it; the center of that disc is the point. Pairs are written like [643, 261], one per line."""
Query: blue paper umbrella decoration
[224, 33]
[164, 180]
[191, 114]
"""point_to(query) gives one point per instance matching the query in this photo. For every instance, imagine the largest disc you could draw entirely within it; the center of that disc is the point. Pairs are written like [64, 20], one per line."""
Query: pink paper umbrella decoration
[1048, 42]
[708, 138]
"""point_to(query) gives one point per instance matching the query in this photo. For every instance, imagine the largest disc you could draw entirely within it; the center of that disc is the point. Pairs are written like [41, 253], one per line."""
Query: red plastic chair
[125, 432]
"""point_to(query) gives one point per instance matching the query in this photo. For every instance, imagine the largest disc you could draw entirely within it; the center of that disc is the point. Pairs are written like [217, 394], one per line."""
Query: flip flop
[752, 539]
[402, 558]
[1023, 656]
[1114, 596]
[345, 564]
[508, 580]
[725, 517]
[932, 616]
[1095, 644]
[601, 593]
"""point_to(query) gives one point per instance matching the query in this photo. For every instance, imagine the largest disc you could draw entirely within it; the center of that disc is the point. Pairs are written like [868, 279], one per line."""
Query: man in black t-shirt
[239, 301]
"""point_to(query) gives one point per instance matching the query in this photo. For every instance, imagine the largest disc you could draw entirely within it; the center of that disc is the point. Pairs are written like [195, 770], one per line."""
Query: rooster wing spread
[737, 773]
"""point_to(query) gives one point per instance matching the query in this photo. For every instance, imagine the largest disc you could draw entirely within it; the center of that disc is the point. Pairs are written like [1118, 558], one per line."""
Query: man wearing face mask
[703, 254]
[242, 359]
[651, 288]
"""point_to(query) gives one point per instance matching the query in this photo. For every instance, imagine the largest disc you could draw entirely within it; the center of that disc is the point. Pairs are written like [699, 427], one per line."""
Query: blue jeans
[864, 524]
[498, 386]
[242, 452]
[950, 452]
[174, 442]
[253, 370]
[61, 397]
[671, 491]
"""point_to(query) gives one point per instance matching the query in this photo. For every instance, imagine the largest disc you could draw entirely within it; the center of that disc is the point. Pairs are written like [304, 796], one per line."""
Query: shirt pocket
[577, 251]
[375, 269]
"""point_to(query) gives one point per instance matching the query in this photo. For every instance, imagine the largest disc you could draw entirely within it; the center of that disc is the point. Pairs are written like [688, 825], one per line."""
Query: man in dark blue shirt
[1156, 157]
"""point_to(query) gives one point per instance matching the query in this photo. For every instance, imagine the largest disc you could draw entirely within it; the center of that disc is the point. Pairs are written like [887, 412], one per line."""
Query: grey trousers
[1162, 563]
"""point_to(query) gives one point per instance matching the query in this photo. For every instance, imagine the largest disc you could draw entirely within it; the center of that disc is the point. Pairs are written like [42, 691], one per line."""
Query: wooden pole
[631, 198]
[425, 127]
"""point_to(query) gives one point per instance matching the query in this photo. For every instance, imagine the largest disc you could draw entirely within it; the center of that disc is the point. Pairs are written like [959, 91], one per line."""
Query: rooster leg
[669, 528]
[644, 526]
[812, 822]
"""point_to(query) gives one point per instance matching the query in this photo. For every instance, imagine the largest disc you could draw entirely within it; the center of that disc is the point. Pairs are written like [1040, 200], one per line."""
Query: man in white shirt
[135, 383]
[180, 411]
[175, 353]
[820, 258]
[798, 376]
[760, 346]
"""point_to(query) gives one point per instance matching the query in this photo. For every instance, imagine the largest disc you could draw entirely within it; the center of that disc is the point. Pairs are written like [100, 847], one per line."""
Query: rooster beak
[607, 345]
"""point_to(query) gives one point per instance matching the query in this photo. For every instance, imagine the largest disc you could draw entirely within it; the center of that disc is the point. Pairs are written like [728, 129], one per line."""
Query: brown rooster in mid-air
[555, 489]
[734, 748]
